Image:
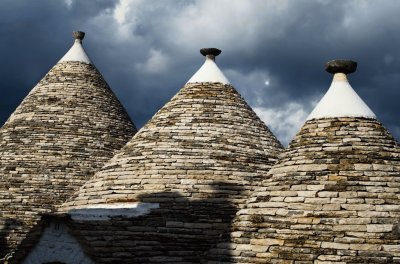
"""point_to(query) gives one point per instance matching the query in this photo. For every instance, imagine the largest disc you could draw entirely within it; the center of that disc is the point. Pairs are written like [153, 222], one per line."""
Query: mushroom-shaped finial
[78, 35]
[341, 66]
[210, 52]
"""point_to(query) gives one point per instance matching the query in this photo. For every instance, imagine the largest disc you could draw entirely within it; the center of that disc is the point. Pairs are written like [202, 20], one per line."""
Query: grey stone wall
[62, 132]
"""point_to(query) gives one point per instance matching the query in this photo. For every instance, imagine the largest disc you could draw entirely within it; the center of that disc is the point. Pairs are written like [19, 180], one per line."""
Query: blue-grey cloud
[273, 51]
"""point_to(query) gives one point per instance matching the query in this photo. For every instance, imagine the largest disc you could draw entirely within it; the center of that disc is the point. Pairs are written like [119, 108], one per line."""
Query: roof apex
[209, 71]
[341, 100]
[342, 66]
[77, 52]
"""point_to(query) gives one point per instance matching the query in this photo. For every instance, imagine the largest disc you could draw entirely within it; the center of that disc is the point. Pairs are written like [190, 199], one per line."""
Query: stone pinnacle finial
[78, 35]
[341, 66]
[210, 52]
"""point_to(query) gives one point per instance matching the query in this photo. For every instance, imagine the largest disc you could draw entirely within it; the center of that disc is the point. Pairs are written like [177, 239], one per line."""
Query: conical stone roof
[63, 131]
[333, 197]
[205, 132]
[196, 160]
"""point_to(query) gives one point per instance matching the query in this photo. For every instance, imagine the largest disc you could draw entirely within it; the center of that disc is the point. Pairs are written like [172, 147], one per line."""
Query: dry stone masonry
[196, 161]
[333, 197]
[204, 181]
[63, 131]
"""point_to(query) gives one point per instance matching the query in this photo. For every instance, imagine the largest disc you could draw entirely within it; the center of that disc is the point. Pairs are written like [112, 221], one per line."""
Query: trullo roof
[63, 131]
[185, 173]
[333, 196]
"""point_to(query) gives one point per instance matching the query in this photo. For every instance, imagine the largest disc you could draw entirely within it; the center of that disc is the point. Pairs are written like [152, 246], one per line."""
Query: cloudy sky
[273, 51]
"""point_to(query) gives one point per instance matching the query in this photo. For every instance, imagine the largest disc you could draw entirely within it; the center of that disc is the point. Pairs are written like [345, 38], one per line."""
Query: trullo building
[63, 131]
[172, 191]
[334, 195]
[204, 181]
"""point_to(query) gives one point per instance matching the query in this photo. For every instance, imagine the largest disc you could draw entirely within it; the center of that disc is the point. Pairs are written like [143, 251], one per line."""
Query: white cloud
[157, 62]
[69, 3]
[362, 18]
[284, 121]
[193, 24]
[121, 11]
[226, 24]
[268, 45]
[237, 27]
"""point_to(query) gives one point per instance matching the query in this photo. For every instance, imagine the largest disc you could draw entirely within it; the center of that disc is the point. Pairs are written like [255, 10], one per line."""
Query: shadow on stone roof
[181, 230]
[6, 225]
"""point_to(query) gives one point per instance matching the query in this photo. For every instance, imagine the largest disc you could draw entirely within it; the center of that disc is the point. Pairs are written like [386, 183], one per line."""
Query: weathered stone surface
[339, 213]
[199, 157]
[63, 131]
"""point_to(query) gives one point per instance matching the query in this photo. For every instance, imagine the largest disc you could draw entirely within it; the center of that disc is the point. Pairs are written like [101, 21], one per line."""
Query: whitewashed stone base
[57, 245]
[102, 212]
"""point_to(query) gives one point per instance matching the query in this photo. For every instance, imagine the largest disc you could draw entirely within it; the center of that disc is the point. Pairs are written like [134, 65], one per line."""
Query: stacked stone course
[332, 198]
[334, 195]
[62, 132]
[206, 133]
[198, 158]
[170, 195]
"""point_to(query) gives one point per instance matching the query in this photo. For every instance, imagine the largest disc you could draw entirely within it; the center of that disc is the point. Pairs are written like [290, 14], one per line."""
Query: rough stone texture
[206, 133]
[199, 157]
[57, 245]
[342, 66]
[333, 197]
[63, 131]
[78, 35]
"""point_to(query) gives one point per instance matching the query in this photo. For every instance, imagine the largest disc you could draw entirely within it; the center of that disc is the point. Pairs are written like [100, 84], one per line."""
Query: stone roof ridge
[77, 52]
[209, 71]
[341, 100]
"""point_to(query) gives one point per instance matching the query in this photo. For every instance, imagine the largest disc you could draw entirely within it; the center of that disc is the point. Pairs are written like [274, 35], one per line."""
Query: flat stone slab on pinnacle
[210, 51]
[341, 66]
[78, 35]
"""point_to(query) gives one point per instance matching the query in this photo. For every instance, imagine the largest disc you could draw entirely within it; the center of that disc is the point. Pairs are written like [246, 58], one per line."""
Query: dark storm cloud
[35, 35]
[273, 51]
[320, 31]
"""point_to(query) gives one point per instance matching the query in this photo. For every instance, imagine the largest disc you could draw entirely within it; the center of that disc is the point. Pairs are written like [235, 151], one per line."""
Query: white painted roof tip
[77, 52]
[209, 72]
[341, 101]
